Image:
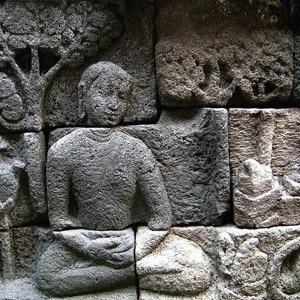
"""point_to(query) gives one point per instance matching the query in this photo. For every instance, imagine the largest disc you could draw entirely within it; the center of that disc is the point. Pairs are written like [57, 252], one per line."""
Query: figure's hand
[7, 206]
[115, 251]
[65, 223]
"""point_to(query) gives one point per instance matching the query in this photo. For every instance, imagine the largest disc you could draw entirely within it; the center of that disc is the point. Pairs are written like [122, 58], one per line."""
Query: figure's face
[105, 102]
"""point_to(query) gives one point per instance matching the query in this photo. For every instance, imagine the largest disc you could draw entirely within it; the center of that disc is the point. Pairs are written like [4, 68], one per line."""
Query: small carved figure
[95, 176]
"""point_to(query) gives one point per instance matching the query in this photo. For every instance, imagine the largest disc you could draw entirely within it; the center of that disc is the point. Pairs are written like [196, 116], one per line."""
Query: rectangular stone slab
[191, 151]
[214, 58]
[218, 263]
[265, 165]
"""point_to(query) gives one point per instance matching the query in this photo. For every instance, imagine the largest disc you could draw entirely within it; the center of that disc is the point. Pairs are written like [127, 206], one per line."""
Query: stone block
[22, 179]
[207, 55]
[265, 162]
[189, 150]
[208, 263]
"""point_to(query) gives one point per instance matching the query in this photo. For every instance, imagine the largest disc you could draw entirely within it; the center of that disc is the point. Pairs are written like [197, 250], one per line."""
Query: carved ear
[81, 108]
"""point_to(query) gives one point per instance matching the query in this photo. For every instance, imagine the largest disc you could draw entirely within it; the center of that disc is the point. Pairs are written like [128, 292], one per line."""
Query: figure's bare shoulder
[67, 144]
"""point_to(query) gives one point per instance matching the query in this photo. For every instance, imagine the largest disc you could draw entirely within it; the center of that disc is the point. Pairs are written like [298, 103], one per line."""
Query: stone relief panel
[43, 43]
[218, 263]
[189, 150]
[264, 158]
[207, 55]
[125, 30]
[22, 179]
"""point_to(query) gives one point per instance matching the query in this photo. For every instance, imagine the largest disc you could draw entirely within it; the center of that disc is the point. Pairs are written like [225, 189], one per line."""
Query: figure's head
[104, 91]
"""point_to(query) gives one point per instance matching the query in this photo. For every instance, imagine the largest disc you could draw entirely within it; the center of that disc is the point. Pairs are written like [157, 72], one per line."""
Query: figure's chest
[104, 166]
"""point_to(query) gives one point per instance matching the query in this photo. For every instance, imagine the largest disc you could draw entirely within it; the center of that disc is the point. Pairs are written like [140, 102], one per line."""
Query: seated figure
[103, 173]
[95, 178]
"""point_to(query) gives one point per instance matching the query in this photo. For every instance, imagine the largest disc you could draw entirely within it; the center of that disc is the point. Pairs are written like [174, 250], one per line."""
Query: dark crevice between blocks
[137, 284]
[230, 216]
[158, 100]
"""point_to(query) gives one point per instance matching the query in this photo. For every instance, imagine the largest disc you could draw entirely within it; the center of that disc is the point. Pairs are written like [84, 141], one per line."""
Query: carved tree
[38, 38]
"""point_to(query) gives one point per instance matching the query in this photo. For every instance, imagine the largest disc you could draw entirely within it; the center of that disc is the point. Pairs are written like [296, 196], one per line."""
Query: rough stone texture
[218, 263]
[96, 177]
[265, 162]
[295, 24]
[296, 92]
[191, 151]
[73, 73]
[85, 262]
[22, 179]
[20, 249]
[23, 249]
[47, 45]
[208, 55]
[132, 49]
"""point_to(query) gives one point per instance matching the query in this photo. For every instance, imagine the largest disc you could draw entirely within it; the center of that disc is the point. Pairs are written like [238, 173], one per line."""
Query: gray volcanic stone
[41, 38]
[20, 249]
[218, 263]
[132, 49]
[46, 46]
[296, 92]
[207, 55]
[22, 179]
[96, 177]
[24, 252]
[191, 152]
[85, 262]
[265, 164]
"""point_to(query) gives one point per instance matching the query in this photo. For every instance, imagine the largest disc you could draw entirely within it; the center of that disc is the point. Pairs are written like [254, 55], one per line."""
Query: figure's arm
[58, 191]
[153, 190]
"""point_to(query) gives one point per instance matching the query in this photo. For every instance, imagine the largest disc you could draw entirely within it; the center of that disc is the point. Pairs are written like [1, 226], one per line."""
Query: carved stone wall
[150, 149]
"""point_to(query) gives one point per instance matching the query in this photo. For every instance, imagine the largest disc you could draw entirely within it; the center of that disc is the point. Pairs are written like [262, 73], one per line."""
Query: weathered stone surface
[218, 263]
[22, 179]
[264, 158]
[39, 39]
[191, 151]
[207, 54]
[295, 24]
[85, 262]
[47, 45]
[20, 249]
[96, 177]
[132, 49]
[24, 250]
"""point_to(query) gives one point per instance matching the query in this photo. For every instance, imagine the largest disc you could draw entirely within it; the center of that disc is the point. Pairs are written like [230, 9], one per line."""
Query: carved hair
[102, 70]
